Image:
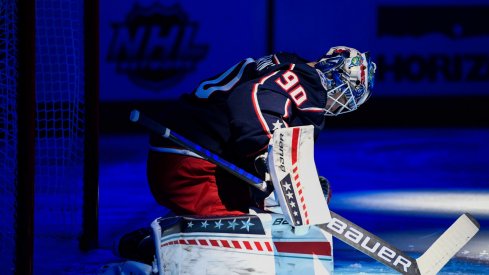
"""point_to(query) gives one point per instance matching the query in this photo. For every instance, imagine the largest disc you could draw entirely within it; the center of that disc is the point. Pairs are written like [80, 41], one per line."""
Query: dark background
[433, 59]
[421, 139]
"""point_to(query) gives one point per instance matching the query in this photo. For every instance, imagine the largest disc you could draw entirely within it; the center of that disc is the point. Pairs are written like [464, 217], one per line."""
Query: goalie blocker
[294, 176]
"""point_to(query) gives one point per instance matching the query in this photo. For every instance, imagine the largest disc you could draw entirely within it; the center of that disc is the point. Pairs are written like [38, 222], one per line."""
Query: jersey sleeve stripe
[256, 105]
[286, 109]
[205, 93]
[275, 58]
[312, 110]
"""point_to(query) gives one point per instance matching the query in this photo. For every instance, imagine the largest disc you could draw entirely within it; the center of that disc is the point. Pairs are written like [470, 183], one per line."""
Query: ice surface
[413, 162]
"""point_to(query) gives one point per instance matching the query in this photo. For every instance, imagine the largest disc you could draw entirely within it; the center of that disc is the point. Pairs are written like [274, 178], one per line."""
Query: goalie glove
[261, 166]
[262, 171]
[326, 188]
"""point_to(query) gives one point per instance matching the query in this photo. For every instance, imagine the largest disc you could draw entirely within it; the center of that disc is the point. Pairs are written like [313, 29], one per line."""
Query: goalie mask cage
[48, 131]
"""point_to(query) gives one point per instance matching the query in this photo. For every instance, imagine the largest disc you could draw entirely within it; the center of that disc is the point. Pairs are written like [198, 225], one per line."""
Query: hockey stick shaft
[138, 117]
[461, 231]
[370, 244]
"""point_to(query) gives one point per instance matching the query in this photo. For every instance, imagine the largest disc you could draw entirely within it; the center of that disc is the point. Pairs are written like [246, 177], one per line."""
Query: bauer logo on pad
[294, 176]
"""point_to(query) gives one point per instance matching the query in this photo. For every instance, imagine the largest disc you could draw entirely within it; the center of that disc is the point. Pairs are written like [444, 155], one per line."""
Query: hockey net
[60, 118]
[8, 132]
[60, 129]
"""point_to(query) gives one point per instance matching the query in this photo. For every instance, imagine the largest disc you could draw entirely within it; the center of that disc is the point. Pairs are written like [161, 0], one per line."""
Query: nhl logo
[154, 46]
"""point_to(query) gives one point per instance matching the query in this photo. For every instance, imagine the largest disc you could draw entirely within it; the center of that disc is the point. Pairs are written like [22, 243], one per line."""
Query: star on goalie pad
[218, 224]
[236, 224]
[286, 185]
[232, 224]
[290, 198]
[247, 225]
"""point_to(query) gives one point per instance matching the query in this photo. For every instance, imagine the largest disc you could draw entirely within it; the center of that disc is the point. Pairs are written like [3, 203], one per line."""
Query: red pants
[192, 186]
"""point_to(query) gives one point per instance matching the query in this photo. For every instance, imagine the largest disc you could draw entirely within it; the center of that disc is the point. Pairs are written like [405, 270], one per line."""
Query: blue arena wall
[156, 50]
[432, 56]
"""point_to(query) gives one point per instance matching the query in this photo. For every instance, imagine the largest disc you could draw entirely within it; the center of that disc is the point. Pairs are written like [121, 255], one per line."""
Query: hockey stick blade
[448, 244]
[439, 253]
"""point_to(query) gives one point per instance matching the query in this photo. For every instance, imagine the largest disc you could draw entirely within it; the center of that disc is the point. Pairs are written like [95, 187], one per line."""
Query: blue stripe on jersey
[205, 93]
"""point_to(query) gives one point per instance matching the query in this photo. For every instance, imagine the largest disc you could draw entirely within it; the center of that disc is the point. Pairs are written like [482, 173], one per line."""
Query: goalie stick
[139, 118]
[431, 262]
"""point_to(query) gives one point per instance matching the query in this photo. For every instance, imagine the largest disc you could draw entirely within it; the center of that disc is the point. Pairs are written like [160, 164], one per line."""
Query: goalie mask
[348, 78]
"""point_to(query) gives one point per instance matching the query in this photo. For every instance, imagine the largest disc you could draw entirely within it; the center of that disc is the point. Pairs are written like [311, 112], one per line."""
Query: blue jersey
[235, 113]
